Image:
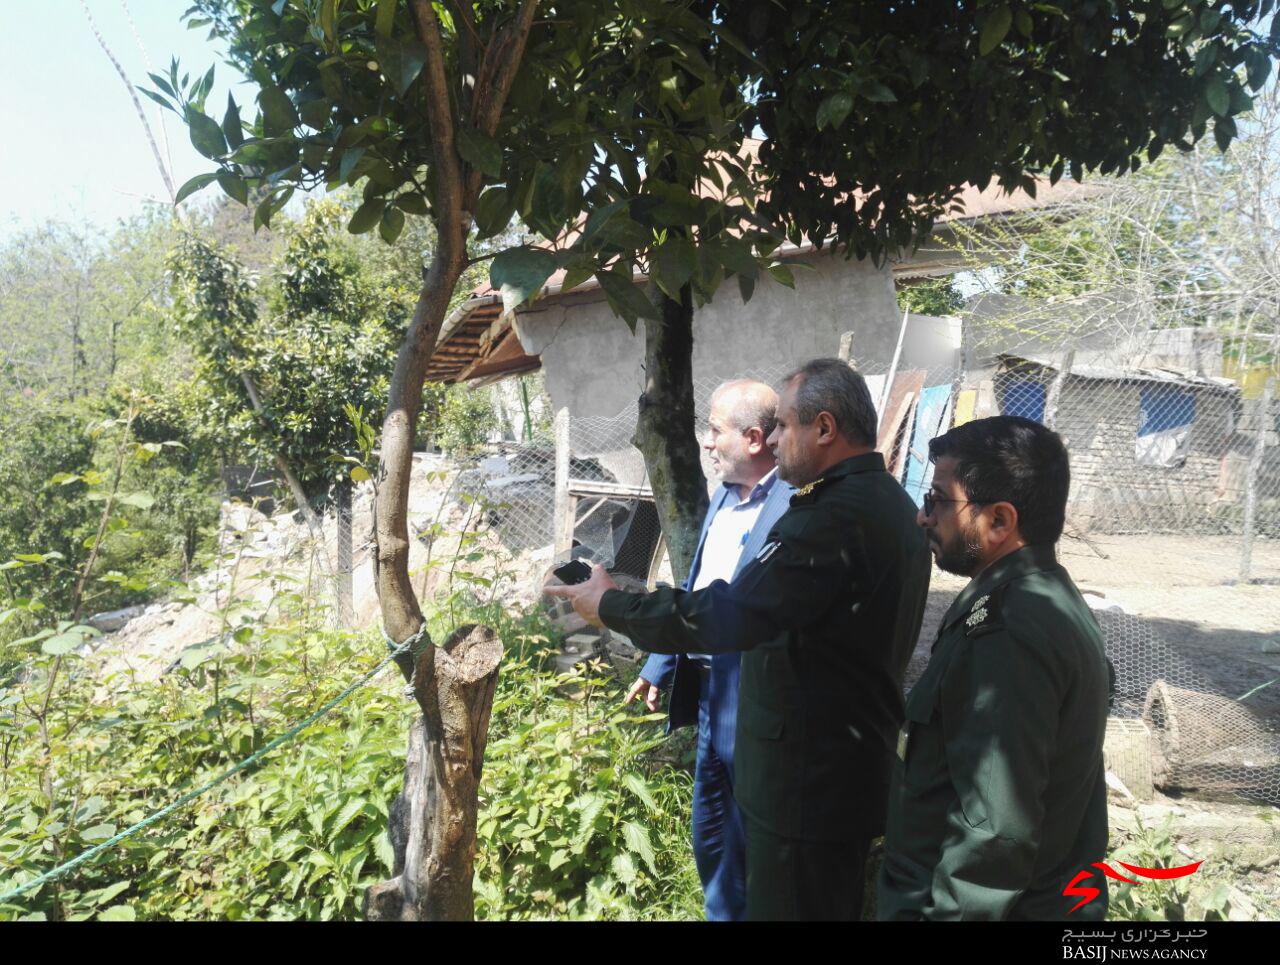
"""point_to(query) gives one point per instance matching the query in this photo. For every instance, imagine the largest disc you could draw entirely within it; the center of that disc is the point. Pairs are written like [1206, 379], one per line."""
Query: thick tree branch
[448, 208]
[498, 69]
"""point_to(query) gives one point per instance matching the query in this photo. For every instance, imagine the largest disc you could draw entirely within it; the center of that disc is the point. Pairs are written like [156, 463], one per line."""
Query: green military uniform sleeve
[786, 587]
[999, 702]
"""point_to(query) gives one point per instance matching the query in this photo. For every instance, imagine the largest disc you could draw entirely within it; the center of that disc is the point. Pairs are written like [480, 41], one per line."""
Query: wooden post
[1251, 481]
[563, 523]
[432, 825]
[846, 348]
[1054, 395]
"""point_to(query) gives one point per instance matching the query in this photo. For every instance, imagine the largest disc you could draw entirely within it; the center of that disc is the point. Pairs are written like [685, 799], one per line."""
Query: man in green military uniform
[998, 797]
[827, 615]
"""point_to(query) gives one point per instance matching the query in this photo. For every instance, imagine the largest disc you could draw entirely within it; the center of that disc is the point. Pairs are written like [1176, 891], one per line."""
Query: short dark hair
[1008, 459]
[831, 385]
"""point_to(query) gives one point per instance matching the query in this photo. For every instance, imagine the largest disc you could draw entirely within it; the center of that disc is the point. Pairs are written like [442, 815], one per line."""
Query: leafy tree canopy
[907, 102]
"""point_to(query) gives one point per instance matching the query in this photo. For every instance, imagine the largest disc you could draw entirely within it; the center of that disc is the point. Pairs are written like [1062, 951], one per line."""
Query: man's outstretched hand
[585, 597]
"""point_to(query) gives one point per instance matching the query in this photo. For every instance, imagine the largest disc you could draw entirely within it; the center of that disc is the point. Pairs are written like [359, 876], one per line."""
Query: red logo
[1086, 894]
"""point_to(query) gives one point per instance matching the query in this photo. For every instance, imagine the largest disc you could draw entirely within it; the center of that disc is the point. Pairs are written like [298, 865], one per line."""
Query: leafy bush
[577, 818]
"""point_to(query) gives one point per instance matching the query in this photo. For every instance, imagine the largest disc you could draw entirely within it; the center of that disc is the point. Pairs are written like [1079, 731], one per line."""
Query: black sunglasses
[931, 501]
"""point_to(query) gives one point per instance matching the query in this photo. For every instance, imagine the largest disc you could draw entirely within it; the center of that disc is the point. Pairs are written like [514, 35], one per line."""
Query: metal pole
[1251, 481]
[346, 595]
[563, 525]
[893, 367]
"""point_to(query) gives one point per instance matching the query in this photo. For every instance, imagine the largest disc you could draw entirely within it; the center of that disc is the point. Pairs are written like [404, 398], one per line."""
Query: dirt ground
[1186, 589]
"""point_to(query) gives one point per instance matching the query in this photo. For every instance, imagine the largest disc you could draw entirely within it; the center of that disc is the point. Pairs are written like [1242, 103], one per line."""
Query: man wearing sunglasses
[998, 797]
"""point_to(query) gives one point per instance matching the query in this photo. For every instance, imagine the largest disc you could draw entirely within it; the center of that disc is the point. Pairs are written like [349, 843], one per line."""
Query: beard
[960, 555]
[794, 472]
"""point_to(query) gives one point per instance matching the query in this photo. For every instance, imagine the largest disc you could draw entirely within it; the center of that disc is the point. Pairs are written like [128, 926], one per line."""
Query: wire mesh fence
[1173, 533]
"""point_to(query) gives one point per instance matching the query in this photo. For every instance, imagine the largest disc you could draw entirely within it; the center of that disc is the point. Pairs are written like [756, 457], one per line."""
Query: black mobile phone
[575, 571]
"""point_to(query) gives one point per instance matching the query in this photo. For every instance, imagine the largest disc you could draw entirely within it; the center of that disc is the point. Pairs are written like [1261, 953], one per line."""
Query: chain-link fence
[1173, 534]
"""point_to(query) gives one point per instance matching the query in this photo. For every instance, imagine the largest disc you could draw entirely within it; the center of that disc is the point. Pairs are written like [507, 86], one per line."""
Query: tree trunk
[433, 821]
[665, 432]
[401, 614]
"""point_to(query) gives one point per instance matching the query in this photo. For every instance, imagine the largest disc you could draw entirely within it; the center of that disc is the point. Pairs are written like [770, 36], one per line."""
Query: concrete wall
[594, 365]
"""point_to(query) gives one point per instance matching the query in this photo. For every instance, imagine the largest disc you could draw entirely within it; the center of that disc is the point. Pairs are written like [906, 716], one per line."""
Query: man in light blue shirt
[704, 688]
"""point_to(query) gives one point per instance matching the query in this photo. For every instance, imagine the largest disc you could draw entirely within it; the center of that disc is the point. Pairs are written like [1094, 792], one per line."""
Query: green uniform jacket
[828, 614]
[998, 794]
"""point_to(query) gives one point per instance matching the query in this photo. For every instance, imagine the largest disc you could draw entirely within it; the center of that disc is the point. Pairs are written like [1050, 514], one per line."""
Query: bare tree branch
[137, 104]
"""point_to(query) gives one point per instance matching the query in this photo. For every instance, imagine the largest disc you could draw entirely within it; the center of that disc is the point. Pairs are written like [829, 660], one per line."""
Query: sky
[73, 147]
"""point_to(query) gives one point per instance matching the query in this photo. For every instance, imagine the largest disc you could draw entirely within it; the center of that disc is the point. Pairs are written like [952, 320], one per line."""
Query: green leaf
[402, 62]
[140, 500]
[672, 264]
[62, 645]
[875, 91]
[110, 891]
[232, 129]
[328, 18]
[382, 849]
[626, 298]
[995, 28]
[575, 275]
[833, 111]
[637, 840]
[279, 116]
[195, 184]
[99, 832]
[782, 274]
[118, 913]
[391, 225]
[267, 209]
[520, 273]
[641, 790]
[350, 158]
[590, 807]
[206, 135]
[481, 152]
[366, 217]
[1216, 96]
[493, 212]
[346, 815]
[736, 257]
[413, 204]
[599, 217]
[234, 187]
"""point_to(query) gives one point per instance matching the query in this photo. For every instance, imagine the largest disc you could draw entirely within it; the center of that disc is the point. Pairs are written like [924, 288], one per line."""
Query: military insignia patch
[808, 488]
[806, 491]
[979, 613]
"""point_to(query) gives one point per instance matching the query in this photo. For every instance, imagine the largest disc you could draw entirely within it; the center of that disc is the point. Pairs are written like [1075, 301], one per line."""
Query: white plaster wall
[594, 365]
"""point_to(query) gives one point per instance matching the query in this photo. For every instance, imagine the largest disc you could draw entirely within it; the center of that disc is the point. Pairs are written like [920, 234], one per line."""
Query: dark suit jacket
[680, 673]
[827, 614]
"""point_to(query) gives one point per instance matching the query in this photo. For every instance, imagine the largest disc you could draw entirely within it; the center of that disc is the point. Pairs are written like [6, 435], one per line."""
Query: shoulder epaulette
[805, 493]
[985, 614]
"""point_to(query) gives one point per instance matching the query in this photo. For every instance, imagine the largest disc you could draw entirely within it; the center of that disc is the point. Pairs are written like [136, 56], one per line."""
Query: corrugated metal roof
[1108, 374]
